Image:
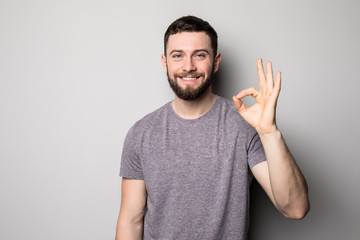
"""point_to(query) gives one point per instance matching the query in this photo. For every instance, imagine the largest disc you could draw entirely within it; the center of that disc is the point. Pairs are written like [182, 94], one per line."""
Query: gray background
[75, 75]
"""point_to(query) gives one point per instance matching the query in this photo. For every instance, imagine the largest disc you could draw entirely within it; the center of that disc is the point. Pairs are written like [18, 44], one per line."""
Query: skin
[189, 54]
[279, 176]
[133, 202]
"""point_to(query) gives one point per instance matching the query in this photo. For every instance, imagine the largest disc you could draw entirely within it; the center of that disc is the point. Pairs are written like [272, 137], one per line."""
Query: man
[187, 166]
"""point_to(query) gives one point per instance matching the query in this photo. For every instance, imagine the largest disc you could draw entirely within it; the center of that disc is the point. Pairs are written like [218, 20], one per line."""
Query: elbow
[131, 222]
[294, 206]
[297, 212]
[129, 230]
[129, 227]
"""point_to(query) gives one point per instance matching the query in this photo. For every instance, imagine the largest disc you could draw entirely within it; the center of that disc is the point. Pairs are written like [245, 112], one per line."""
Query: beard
[188, 93]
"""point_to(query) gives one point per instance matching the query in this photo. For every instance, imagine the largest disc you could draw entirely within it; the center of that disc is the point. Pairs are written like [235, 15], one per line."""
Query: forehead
[188, 41]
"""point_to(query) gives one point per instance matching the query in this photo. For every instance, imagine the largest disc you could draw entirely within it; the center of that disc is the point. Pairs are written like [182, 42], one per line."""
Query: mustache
[189, 75]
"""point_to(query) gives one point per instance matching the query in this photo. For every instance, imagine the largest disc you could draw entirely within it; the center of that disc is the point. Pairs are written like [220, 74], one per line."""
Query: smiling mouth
[189, 78]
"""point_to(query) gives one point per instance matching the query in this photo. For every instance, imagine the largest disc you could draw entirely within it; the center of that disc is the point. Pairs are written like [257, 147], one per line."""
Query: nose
[188, 65]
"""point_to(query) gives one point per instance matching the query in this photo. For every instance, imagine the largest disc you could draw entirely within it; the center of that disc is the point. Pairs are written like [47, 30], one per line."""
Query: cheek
[206, 67]
[173, 68]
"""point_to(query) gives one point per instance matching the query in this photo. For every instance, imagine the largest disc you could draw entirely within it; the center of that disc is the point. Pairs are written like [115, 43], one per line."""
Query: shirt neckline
[204, 116]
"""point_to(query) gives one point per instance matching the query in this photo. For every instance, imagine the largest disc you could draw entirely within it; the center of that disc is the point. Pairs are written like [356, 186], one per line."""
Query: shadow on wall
[228, 81]
[325, 214]
[265, 220]
[222, 80]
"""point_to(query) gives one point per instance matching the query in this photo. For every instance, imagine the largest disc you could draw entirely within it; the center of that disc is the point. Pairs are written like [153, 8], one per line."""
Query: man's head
[192, 24]
[191, 57]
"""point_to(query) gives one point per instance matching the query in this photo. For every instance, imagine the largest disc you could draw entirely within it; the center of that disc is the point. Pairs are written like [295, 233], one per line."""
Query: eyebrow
[197, 50]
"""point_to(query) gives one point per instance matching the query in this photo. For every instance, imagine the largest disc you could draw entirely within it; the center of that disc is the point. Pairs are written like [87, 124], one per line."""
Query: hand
[261, 115]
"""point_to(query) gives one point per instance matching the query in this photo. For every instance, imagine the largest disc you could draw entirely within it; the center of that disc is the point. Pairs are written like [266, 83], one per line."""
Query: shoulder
[149, 121]
[231, 118]
[228, 110]
[227, 107]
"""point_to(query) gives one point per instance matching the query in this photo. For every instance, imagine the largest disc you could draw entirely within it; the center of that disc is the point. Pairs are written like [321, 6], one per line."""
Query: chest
[192, 157]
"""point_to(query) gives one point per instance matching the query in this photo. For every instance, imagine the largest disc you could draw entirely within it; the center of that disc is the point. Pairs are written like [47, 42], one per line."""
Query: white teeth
[188, 79]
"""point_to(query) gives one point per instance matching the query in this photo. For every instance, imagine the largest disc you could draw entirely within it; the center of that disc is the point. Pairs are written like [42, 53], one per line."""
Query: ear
[163, 60]
[217, 61]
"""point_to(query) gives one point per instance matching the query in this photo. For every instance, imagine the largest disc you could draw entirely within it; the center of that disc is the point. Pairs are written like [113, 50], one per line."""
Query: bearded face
[190, 64]
[189, 92]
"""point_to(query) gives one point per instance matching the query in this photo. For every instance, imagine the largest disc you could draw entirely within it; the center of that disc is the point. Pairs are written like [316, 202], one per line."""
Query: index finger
[248, 92]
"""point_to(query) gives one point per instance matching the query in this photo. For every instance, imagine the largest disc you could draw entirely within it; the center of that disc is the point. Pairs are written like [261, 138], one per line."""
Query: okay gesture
[261, 115]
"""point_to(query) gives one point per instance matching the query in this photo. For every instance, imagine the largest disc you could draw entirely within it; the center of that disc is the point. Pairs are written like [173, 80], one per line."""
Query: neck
[195, 108]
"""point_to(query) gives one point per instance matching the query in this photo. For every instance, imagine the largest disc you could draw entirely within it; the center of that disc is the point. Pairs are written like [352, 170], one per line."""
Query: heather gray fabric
[196, 172]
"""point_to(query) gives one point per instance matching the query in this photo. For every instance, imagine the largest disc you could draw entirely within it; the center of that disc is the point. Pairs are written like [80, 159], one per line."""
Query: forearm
[288, 185]
[129, 230]
[132, 210]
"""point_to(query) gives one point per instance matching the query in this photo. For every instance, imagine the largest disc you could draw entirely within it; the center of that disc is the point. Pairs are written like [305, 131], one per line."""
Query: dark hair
[191, 24]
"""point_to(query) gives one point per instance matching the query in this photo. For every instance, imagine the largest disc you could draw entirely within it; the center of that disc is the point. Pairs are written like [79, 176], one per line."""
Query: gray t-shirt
[196, 172]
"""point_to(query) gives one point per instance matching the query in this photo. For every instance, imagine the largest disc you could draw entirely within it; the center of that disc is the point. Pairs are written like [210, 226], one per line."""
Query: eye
[200, 55]
[176, 56]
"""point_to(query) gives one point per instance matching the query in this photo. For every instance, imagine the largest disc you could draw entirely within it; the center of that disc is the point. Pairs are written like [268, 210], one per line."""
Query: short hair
[191, 24]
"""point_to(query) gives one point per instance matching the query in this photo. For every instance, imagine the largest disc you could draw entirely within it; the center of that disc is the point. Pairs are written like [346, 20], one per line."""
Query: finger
[277, 85]
[269, 77]
[261, 75]
[239, 105]
[248, 92]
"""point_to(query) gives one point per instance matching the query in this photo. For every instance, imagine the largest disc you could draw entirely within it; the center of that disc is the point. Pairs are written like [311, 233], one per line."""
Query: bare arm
[280, 176]
[133, 203]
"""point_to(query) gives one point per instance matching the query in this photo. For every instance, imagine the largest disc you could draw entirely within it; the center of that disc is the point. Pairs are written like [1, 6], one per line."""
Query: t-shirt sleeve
[130, 161]
[256, 153]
